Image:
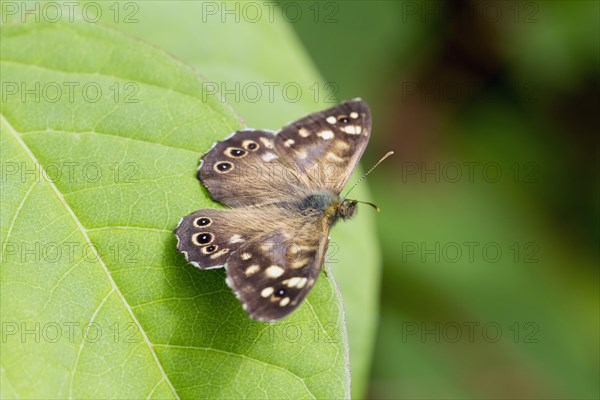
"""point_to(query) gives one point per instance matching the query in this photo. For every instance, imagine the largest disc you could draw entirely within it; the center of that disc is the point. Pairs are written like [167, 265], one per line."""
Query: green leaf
[95, 300]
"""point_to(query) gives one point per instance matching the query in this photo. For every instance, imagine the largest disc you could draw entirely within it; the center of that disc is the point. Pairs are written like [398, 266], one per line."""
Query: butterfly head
[346, 209]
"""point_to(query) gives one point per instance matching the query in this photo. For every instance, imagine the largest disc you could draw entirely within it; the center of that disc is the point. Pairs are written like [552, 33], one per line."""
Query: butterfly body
[284, 190]
[327, 205]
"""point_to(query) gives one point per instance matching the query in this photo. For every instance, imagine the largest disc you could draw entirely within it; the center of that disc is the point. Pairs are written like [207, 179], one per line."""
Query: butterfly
[283, 189]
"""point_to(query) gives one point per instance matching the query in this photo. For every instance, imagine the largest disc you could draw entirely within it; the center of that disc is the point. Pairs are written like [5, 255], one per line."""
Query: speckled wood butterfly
[284, 190]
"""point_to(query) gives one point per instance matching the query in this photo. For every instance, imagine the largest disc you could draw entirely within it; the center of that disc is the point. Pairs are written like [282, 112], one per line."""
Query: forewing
[272, 275]
[246, 170]
[326, 146]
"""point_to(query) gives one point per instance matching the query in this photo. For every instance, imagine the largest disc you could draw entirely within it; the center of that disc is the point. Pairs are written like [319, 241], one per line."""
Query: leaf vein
[12, 223]
[50, 130]
[268, 364]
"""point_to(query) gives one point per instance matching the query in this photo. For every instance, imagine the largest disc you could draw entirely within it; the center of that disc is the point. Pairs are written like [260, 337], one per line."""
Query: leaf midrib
[243, 356]
[115, 288]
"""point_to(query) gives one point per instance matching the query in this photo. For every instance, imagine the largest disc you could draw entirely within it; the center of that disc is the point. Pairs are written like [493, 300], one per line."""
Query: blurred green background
[489, 221]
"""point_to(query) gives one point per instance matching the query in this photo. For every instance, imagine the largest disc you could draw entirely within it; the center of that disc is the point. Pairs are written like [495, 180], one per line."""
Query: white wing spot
[251, 270]
[274, 271]
[292, 282]
[219, 253]
[246, 256]
[332, 120]
[289, 142]
[304, 132]
[353, 115]
[326, 135]
[284, 301]
[268, 143]
[296, 281]
[351, 129]
[236, 239]
[341, 145]
[269, 156]
[301, 154]
[302, 282]
[299, 263]
[266, 292]
[334, 158]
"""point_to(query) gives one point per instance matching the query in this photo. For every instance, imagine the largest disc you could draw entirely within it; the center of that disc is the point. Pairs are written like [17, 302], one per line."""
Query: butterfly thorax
[329, 206]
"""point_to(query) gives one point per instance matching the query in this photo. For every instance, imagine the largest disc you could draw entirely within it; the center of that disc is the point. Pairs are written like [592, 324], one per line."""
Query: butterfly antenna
[371, 204]
[389, 153]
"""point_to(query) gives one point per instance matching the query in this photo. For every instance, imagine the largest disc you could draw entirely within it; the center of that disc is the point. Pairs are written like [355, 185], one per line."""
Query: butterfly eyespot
[202, 238]
[280, 293]
[223, 167]
[343, 119]
[250, 145]
[210, 249]
[202, 221]
[235, 152]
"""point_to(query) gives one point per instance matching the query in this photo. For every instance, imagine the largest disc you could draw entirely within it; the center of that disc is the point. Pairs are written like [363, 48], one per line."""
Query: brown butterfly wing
[272, 259]
[319, 151]
[208, 237]
[246, 170]
[273, 275]
[326, 146]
